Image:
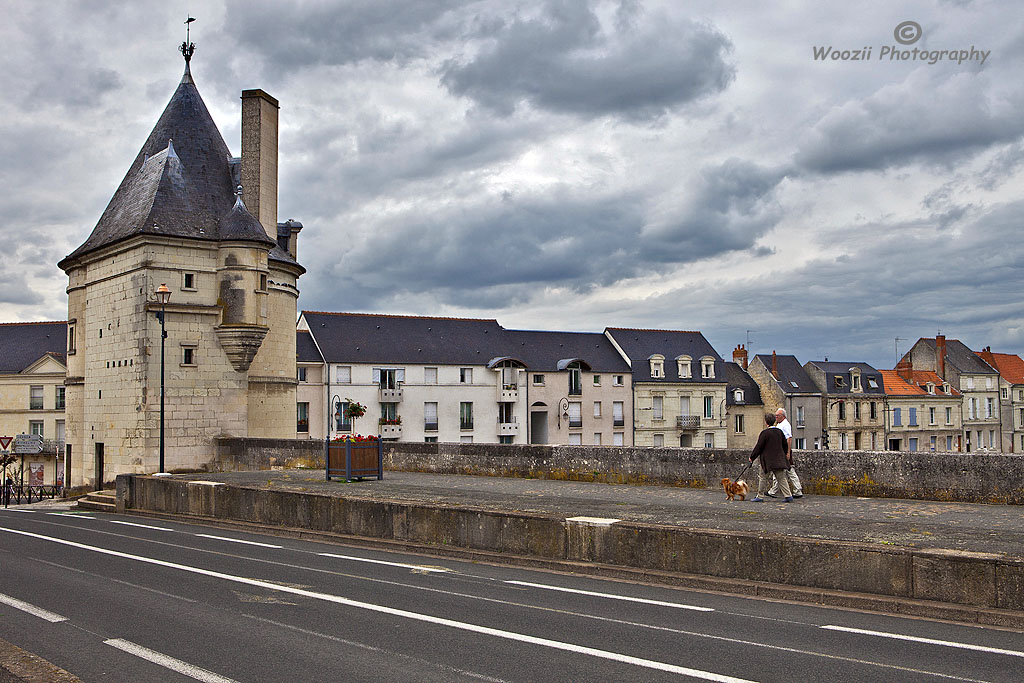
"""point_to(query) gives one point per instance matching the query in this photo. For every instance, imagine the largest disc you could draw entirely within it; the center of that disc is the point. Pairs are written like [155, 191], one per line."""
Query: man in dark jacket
[772, 449]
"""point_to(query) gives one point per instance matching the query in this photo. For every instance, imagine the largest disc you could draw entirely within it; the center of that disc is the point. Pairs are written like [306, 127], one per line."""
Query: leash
[749, 464]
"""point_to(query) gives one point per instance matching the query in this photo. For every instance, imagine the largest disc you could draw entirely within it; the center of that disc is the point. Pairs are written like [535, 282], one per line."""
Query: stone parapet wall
[960, 477]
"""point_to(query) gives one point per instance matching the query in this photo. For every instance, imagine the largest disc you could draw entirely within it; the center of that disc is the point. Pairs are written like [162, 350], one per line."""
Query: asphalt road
[121, 598]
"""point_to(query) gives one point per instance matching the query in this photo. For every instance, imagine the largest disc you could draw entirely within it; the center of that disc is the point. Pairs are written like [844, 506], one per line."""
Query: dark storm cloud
[297, 35]
[563, 60]
[931, 117]
[732, 206]
[908, 281]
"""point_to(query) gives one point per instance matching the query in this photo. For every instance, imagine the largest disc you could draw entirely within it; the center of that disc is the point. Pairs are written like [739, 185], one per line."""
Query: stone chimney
[940, 356]
[775, 365]
[739, 356]
[905, 370]
[259, 158]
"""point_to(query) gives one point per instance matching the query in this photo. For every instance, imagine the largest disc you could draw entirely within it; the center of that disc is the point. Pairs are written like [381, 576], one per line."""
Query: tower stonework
[179, 218]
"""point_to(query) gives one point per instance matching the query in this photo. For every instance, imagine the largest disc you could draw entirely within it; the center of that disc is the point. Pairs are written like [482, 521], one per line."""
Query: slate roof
[181, 183]
[395, 339]
[639, 345]
[544, 350]
[962, 358]
[22, 344]
[737, 378]
[377, 338]
[790, 373]
[1010, 367]
[833, 369]
[305, 348]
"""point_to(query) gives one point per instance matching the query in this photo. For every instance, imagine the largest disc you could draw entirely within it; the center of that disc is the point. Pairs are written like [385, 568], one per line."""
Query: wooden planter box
[355, 459]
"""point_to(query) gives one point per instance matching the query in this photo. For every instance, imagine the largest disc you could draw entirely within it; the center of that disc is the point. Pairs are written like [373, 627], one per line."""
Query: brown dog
[739, 488]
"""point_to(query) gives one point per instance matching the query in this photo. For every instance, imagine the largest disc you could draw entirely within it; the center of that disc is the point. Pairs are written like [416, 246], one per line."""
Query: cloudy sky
[567, 164]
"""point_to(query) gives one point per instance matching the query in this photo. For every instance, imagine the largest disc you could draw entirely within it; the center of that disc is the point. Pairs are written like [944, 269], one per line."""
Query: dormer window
[945, 387]
[707, 367]
[738, 396]
[929, 387]
[839, 382]
[657, 366]
[683, 366]
[855, 379]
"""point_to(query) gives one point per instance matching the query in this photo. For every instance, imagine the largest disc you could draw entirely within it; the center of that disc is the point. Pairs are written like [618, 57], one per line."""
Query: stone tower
[179, 218]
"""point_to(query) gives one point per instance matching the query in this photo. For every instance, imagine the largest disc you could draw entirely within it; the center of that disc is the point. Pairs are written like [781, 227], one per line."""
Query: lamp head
[163, 294]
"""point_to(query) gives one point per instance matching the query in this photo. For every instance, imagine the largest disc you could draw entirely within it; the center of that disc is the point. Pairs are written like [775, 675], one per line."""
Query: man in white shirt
[794, 481]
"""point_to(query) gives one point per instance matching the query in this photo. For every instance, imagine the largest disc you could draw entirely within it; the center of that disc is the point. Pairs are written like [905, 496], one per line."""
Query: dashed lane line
[927, 641]
[31, 609]
[611, 596]
[168, 662]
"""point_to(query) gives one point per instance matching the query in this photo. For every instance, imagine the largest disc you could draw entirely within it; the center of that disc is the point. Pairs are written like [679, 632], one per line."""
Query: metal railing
[465, 425]
[688, 421]
[25, 493]
[430, 426]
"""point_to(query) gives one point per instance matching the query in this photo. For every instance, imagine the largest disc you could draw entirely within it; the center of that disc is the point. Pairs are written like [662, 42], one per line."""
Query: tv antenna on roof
[896, 345]
[188, 47]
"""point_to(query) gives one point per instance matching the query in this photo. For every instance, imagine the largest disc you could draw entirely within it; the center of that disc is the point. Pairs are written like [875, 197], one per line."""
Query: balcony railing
[575, 422]
[508, 428]
[463, 424]
[430, 426]
[688, 421]
[619, 422]
[508, 393]
[391, 393]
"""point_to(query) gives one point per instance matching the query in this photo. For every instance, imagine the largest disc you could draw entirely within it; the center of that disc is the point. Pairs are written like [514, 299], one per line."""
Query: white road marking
[418, 567]
[141, 526]
[237, 540]
[31, 609]
[441, 621]
[927, 641]
[18, 510]
[167, 662]
[611, 596]
[76, 515]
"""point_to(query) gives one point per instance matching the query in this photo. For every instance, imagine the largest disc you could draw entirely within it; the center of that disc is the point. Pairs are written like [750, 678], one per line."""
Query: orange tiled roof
[897, 386]
[1010, 367]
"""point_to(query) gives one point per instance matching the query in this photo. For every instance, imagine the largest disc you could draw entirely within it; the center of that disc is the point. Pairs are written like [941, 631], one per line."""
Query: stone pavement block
[953, 576]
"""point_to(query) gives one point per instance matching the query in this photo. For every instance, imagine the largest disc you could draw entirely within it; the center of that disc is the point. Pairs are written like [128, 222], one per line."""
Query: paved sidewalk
[909, 523]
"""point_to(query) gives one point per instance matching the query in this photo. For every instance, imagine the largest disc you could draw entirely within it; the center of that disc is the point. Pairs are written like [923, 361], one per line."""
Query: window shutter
[400, 374]
[574, 411]
[430, 412]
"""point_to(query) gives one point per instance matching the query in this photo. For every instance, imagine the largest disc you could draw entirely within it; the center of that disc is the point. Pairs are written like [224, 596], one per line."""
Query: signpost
[28, 444]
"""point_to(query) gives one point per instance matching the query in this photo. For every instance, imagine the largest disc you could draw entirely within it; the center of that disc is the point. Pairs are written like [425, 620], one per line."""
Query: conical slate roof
[179, 185]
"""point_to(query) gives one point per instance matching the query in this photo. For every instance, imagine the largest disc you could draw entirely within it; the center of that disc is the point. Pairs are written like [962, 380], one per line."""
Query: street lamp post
[164, 294]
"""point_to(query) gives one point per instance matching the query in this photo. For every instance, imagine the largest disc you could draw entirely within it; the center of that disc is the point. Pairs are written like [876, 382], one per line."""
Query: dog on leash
[733, 489]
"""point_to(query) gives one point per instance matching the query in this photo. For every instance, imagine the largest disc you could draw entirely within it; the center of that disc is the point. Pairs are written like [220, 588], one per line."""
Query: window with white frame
[430, 416]
[970, 382]
[466, 438]
[855, 378]
[800, 442]
[597, 380]
[949, 416]
[619, 380]
[739, 424]
[597, 438]
[657, 408]
[575, 414]
[618, 420]
[466, 375]
[709, 440]
[389, 378]
[430, 375]
[707, 367]
[538, 380]
[35, 398]
[657, 362]
[466, 415]
[737, 396]
[931, 416]
[683, 366]
[799, 416]
[575, 439]
[709, 407]
[302, 417]
[188, 354]
[617, 439]
[301, 374]
[575, 379]
[990, 405]
[597, 409]
[343, 374]
[35, 427]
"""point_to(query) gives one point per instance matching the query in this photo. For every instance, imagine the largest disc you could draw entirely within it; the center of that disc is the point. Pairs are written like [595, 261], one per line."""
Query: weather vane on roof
[187, 48]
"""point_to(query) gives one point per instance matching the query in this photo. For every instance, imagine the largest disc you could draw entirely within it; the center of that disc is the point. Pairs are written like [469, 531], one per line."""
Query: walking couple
[775, 449]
